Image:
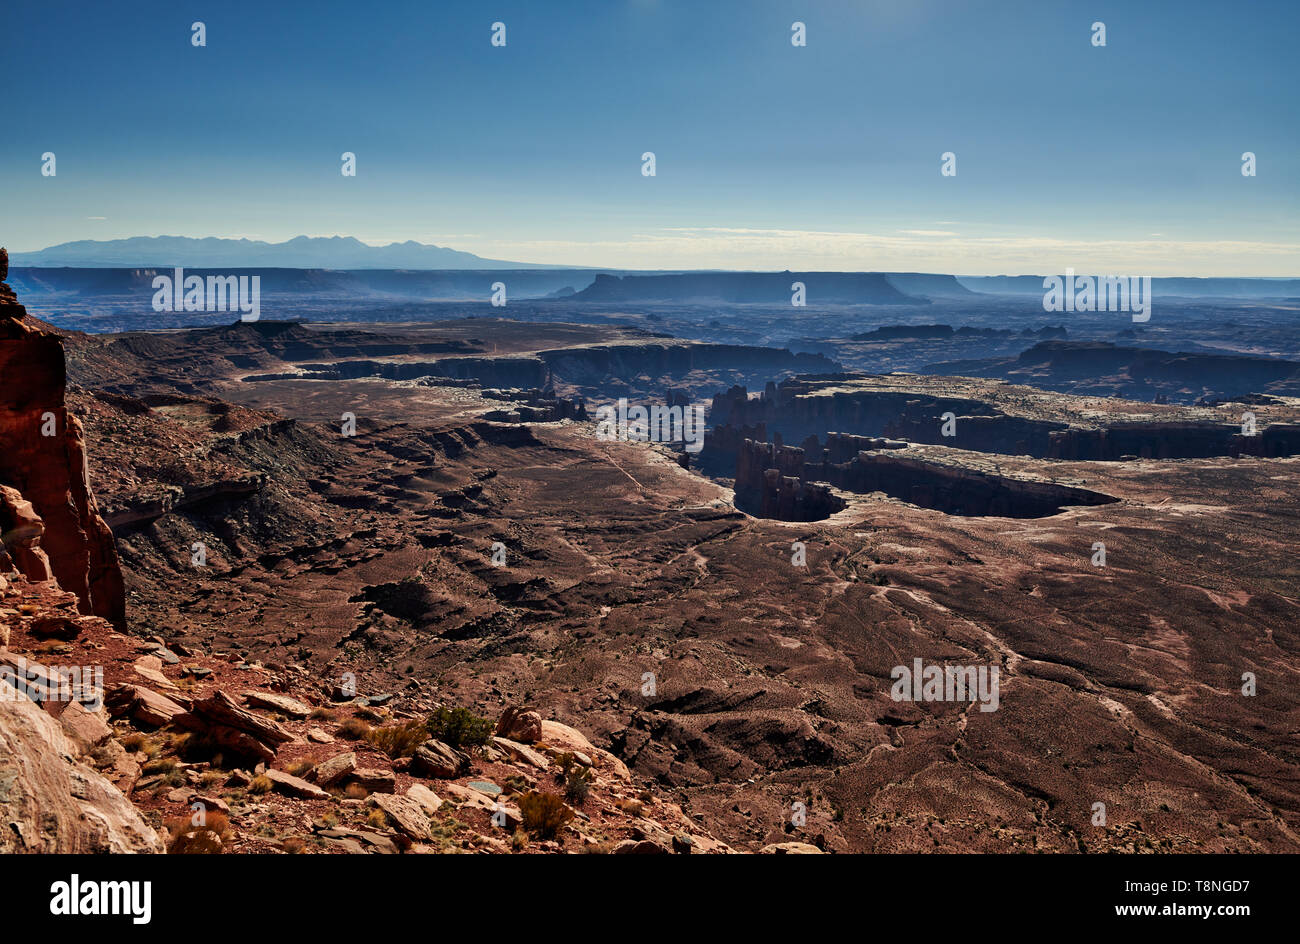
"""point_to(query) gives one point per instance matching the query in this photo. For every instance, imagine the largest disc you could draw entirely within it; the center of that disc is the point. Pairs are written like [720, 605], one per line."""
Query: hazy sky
[1125, 158]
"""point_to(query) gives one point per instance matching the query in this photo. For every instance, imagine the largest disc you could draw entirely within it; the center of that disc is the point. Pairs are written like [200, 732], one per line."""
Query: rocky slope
[114, 743]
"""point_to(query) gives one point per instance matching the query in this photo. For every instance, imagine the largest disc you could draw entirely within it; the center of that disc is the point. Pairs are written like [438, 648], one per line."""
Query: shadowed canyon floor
[373, 554]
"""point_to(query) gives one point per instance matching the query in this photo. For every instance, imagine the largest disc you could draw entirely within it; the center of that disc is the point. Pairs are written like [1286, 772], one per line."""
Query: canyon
[653, 600]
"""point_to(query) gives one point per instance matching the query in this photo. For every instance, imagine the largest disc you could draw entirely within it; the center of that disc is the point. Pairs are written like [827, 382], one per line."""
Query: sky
[1124, 158]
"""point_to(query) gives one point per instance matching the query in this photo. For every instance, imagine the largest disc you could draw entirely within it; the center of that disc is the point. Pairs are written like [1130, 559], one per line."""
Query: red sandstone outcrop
[52, 801]
[43, 460]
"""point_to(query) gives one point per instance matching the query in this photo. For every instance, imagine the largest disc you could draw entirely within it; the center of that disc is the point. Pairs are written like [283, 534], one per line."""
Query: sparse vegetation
[575, 778]
[184, 838]
[631, 807]
[261, 785]
[399, 740]
[545, 814]
[459, 727]
[354, 729]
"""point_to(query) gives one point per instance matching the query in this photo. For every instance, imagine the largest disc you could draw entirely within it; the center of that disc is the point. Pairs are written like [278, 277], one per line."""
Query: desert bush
[377, 820]
[459, 727]
[399, 740]
[631, 807]
[517, 784]
[544, 814]
[577, 784]
[354, 729]
[184, 838]
[261, 784]
[321, 714]
[300, 767]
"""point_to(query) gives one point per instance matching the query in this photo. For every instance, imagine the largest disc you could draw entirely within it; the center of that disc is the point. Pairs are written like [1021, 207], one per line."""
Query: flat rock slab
[524, 753]
[406, 815]
[281, 703]
[295, 786]
[429, 801]
[332, 771]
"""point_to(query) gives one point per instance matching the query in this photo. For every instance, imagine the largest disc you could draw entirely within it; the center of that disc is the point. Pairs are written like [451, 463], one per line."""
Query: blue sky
[1123, 158]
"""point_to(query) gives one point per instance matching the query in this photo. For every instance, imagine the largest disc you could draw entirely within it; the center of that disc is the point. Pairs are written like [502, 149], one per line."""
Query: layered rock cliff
[785, 482]
[49, 504]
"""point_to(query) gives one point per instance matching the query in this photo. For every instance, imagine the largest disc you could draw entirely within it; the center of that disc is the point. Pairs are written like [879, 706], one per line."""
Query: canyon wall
[777, 481]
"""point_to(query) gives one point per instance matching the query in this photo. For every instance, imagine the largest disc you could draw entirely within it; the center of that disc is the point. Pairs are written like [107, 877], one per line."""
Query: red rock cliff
[43, 457]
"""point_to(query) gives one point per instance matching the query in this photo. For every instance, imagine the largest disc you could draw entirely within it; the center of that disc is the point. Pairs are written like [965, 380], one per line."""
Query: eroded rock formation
[43, 460]
[777, 481]
[51, 800]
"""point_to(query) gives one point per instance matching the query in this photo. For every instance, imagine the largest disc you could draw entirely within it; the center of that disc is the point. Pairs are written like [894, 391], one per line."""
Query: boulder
[790, 848]
[522, 752]
[640, 847]
[464, 796]
[52, 803]
[149, 668]
[565, 737]
[293, 786]
[332, 771]
[429, 801]
[84, 728]
[520, 724]
[374, 780]
[435, 759]
[23, 528]
[406, 815]
[144, 705]
[237, 729]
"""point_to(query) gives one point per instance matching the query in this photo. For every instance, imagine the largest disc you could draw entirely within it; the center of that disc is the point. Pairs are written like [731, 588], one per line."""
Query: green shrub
[459, 727]
[577, 784]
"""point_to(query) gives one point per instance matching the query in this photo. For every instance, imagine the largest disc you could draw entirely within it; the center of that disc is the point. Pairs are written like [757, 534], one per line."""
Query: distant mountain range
[301, 252]
[323, 262]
